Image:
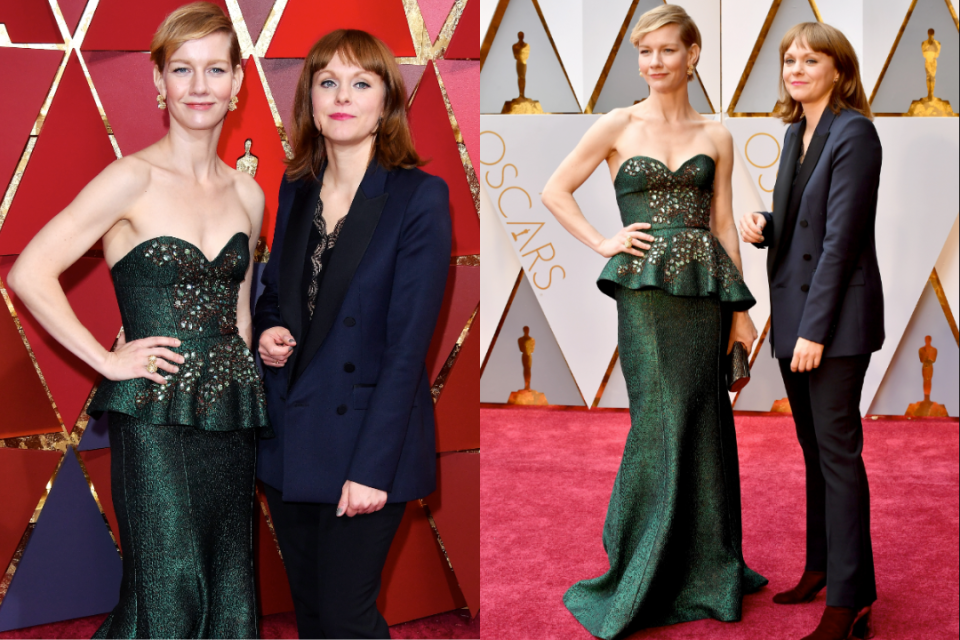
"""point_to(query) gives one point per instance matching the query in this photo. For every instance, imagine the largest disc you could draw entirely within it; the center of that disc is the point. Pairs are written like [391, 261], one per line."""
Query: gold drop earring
[233, 104]
[161, 102]
[690, 71]
[641, 72]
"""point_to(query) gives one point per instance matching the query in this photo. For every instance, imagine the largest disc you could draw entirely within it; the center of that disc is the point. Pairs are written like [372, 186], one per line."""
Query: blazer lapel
[355, 235]
[782, 188]
[810, 159]
[295, 252]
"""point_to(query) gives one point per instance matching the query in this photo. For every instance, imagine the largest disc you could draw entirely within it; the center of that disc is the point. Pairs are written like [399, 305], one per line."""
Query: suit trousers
[334, 565]
[826, 410]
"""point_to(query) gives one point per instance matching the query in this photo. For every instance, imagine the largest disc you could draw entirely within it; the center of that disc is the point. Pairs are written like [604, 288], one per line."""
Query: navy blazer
[822, 259]
[353, 402]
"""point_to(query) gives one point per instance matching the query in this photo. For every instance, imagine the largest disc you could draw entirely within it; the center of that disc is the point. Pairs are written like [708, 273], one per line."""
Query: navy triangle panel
[96, 435]
[70, 560]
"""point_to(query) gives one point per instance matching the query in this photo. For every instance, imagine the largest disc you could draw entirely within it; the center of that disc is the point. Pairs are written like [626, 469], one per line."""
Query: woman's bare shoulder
[249, 193]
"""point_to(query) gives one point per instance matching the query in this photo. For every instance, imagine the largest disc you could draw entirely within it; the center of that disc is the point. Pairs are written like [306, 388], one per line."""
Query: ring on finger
[151, 364]
[628, 243]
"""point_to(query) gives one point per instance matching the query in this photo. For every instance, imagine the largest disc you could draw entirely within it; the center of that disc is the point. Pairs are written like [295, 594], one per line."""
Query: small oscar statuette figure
[927, 408]
[248, 162]
[527, 395]
[521, 52]
[931, 106]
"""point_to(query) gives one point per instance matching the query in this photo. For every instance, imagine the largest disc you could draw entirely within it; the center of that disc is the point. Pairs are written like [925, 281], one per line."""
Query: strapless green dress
[673, 530]
[183, 455]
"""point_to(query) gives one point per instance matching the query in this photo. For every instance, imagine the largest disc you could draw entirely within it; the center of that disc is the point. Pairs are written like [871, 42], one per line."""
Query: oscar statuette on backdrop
[521, 104]
[527, 395]
[926, 407]
[930, 106]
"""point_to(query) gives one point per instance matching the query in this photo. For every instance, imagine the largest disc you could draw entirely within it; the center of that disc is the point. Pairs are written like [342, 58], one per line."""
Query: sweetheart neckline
[187, 242]
[664, 164]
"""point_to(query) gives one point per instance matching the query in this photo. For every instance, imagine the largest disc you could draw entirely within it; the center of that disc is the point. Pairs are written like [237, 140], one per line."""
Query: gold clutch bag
[739, 374]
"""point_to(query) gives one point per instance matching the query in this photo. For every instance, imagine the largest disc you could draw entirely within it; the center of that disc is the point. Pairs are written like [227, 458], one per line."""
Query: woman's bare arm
[251, 195]
[722, 224]
[595, 147]
[35, 275]
[724, 228]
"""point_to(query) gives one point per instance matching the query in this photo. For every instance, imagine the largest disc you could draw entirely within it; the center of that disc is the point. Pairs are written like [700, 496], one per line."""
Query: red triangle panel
[455, 507]
[124, 82]
[459, 301]
[121, 25]
[435, 13]
[417, 581]
[304, 21]
[461, 78]
[433, 136]
[29, 21]
[72, 149]
[26, 74]
[466, 39]
[253, 120]
[72, 11]
[23, 478]
[282, 76]
[458, 420]
[273, 588]
[89, 290]
[26, 408]
[255, 14]
[97, 463]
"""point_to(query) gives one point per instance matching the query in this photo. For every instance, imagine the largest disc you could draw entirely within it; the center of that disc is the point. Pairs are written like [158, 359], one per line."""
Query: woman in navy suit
[826, 302]
[351, 296]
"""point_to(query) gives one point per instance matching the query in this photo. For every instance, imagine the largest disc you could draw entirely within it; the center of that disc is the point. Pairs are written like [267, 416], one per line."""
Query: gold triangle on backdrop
[494, 28]
[764, 32]
[896, 44]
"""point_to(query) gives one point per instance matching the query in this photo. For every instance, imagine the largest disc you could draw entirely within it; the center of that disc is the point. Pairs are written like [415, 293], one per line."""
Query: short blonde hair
[661, 17]
[192, 22]
[848, 92]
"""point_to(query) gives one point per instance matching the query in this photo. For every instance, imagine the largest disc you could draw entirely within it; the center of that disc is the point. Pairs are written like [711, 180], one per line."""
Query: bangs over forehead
[353, 47]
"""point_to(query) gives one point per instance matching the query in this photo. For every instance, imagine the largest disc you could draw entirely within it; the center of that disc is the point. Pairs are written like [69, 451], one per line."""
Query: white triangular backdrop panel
[918, 198]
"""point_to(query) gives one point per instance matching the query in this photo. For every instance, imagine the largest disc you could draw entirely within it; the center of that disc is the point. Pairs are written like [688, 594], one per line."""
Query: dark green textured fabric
[686, 259]
[673, 528]
[167, 287]
[185, 505]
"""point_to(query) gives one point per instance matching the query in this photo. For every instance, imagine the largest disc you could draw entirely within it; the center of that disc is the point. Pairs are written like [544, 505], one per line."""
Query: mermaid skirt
[673, 529]
[185, 505]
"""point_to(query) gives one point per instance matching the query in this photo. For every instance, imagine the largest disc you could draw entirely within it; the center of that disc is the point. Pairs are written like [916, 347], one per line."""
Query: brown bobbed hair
[662, 16]
[192, 22]
[393, 144]
[847, 93]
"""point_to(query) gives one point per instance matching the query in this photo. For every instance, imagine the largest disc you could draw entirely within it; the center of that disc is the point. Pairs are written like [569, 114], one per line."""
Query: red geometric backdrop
[85, 96]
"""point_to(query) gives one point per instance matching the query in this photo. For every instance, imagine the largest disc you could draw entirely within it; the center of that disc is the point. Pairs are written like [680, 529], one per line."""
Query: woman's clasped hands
[276, 345]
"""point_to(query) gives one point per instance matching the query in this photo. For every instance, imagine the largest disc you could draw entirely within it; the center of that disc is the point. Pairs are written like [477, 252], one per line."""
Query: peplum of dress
[183, 455]
[673, 529]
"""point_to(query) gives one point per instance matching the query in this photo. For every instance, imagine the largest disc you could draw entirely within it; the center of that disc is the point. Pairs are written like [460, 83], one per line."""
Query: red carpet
[453, 624]
[546, 479]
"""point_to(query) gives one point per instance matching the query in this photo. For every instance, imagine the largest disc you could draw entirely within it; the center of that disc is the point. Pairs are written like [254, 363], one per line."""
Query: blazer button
[349, 368]
[349, 322]
[804, 288]
[803, 223]
[342, 409]
[807, 256]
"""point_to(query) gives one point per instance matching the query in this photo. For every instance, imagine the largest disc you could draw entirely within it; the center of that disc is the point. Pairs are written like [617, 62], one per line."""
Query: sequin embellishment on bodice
[167, 287]
[685, 258]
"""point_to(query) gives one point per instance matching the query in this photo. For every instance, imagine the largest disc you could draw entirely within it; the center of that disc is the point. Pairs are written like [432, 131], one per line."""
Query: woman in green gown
[178, 227]
[673, 529]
